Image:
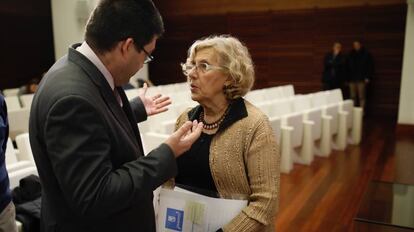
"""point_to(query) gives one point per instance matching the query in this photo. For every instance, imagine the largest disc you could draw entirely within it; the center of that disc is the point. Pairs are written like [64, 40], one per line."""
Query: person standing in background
[360, 68]
[333, 75]
[7, 210]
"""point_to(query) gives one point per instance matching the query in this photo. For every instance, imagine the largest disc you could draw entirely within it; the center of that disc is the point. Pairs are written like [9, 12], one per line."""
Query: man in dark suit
[333, 75]
[83, 130]
[360, 71]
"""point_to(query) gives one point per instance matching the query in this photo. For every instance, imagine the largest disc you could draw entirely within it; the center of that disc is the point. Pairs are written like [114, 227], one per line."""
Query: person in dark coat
[360, 67]
[7, 208]
[333, 75]
[84, 134]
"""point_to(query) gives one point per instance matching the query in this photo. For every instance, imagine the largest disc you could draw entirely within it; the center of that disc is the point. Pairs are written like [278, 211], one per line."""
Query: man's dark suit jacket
[89, 154]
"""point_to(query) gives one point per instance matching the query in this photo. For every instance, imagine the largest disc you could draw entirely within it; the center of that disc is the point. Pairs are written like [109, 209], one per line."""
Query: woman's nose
[193, 73]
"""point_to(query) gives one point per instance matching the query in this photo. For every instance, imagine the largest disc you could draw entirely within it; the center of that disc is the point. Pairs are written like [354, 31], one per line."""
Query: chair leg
[286, 163]
[357, 125]
[326, 138]
[342, 132]
[306, 152]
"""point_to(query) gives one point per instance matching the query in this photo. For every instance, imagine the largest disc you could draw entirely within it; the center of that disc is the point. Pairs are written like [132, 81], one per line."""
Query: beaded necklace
[213, 125]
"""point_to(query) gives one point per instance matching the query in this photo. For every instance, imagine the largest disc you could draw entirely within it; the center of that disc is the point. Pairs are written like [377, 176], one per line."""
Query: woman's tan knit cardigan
[244, 160]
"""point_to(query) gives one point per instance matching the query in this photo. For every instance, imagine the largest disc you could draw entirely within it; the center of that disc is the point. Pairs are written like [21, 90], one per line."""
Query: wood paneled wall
[197, 7]
[26, 41]
[288, 46]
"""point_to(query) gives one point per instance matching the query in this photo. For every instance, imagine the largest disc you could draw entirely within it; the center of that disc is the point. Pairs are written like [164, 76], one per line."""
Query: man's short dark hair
[116, 20]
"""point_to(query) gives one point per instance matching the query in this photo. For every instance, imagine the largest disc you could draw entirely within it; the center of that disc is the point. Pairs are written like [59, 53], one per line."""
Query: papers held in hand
[183, 210]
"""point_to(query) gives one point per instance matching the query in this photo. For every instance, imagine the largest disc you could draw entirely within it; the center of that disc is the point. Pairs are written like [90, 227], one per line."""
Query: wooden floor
[326, 195]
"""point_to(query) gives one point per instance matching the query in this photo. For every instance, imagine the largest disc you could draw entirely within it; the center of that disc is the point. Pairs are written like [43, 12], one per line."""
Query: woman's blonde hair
[234, 57]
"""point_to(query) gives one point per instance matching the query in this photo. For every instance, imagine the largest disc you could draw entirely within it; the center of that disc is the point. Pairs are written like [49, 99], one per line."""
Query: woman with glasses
[237, 154]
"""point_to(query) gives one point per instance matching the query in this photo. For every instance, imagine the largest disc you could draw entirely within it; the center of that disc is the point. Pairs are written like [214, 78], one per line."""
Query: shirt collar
[87, 51]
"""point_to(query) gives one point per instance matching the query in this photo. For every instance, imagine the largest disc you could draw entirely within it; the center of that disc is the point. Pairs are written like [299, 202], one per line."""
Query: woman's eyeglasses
[202, 67]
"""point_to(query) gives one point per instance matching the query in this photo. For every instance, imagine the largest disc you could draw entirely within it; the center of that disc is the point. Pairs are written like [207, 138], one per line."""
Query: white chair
[355, 114]
[255, 96]
[159, 119]
[168, 127]
[260, 96]
[131, 93]
[283, 109]
[301, 142]
[302, 103]
[12, 161]
[16, 176]
[19, 165]
[265, 107]
[338, 129]
[10, 92]
[274, 93]
[288, 91]
[152, 140]
[144, 126]
[165, 122]
[293, 128]
[12, 102]
[181, 97]
[183, 86]
[26, 100]
[25, 151]
[18, 121]
[19, 226]
[11, 156]
[283, 136]
[153, 90]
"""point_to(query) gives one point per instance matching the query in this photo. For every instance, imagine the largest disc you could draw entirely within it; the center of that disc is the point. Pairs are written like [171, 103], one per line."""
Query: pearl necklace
[213, 125]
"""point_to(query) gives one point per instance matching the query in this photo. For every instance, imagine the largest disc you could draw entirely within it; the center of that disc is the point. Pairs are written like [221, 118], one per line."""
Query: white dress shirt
[87, 51]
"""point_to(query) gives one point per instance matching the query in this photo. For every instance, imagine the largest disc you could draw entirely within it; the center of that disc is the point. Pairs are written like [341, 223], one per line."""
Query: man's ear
[126, 45]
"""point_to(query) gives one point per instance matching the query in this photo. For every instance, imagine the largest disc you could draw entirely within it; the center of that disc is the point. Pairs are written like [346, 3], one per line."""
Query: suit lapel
[128, 112]
[117, 111]
[106, 92]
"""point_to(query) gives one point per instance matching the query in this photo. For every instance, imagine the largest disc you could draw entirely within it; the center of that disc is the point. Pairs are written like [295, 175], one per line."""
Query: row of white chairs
[19, 109]
[259, 96]
[19, 162]
[14, 101]
[18, 102]
[305, 125]
[305, 118]
[164, 123]
[157, 128]
[10, 92]
[313, 124]
[169, 89]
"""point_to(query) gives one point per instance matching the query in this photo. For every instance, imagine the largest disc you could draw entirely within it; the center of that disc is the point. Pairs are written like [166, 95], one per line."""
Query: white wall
[68, 24]
[69, 18]
[406, 106]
